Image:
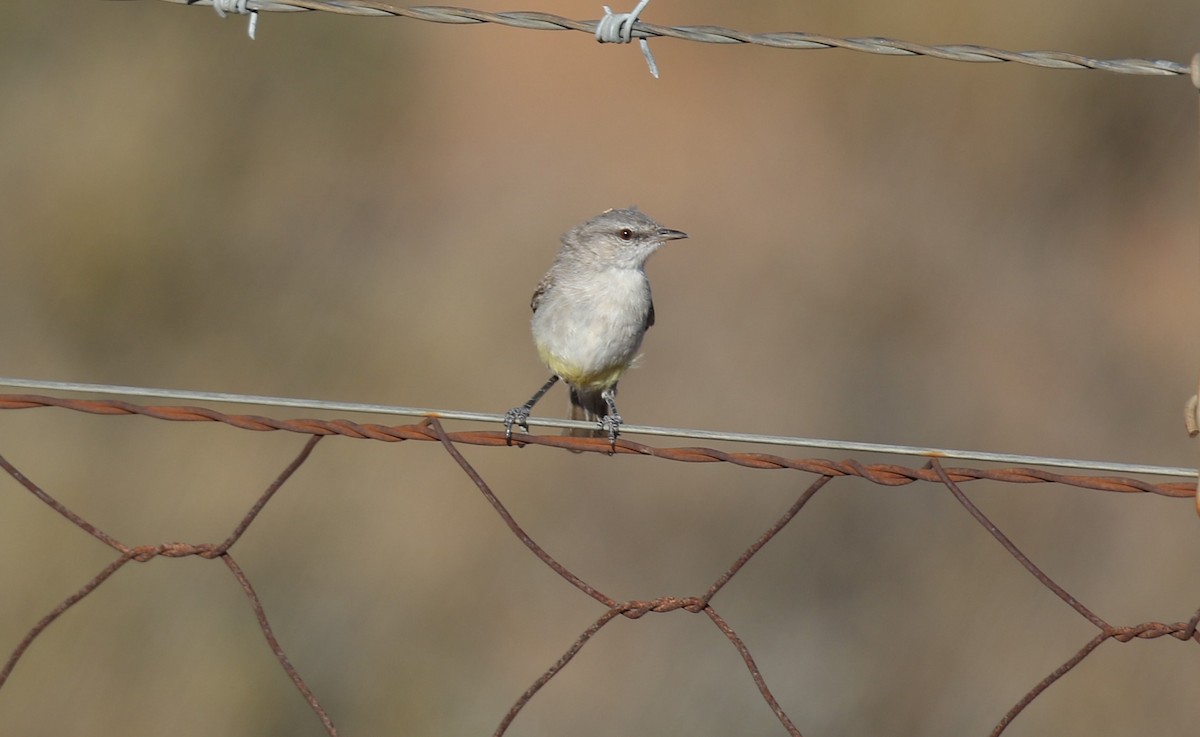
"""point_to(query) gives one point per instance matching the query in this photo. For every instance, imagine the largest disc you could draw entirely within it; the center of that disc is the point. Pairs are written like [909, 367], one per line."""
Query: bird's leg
[520, 415]
[611, 422]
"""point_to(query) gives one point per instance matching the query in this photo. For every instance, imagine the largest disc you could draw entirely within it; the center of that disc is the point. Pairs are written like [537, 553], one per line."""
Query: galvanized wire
[614, 607]
[430, 429]
[878, 473]
[721, 35]
[709, 435]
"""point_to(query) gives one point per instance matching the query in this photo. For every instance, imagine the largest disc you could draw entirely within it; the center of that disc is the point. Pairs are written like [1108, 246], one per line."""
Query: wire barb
[720, 35]
[238, 7]
[1191, 421]
[618, 28]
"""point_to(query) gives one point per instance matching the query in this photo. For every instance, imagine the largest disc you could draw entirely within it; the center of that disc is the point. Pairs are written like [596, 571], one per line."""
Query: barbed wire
[721, 35]
[496, 418]
[431, 428]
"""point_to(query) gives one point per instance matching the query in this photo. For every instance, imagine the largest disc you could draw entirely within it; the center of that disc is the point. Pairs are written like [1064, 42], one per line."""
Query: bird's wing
[649, 316]
[542, 287]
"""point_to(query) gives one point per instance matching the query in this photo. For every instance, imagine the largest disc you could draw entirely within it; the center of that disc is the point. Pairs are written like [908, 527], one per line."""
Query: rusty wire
[1148, 630]
[841, 446]
[432, 429]
[143, 553]
[885, 474]
[720, 35]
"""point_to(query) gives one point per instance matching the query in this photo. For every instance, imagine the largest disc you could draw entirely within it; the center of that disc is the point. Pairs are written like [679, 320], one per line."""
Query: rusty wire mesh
[431, 429]
[819, 474]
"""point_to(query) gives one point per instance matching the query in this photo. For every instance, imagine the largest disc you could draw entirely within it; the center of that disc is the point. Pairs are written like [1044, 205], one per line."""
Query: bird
[590, 313]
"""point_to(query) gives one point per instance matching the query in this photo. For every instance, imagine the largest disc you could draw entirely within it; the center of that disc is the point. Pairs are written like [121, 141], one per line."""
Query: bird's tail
[589, 406]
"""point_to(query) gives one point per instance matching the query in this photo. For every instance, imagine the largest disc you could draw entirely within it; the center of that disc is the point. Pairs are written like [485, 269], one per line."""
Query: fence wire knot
[431, 429]
[237, 7]
[144, 553]
[617, 28]
[638, 609]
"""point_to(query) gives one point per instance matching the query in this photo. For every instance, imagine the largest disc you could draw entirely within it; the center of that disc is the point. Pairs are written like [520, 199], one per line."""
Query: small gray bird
[590, 312]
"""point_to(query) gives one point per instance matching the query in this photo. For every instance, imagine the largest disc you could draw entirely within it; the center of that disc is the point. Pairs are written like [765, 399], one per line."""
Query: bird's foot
[611, 424]
[516, 416]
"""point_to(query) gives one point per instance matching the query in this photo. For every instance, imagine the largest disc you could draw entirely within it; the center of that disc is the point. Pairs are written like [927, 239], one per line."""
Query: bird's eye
[625, 234]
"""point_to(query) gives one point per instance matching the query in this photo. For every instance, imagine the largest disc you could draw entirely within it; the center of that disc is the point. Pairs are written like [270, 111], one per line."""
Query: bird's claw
[611, 424]
[516, 416]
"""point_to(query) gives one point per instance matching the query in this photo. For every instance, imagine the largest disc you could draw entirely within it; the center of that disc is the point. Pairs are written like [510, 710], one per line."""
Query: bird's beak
[667, 234]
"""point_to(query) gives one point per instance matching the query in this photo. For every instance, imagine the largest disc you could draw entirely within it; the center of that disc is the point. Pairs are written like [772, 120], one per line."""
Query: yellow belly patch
[580, 378]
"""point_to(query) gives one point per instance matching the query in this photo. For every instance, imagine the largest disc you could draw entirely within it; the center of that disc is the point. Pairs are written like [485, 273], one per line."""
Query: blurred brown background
[884, 249]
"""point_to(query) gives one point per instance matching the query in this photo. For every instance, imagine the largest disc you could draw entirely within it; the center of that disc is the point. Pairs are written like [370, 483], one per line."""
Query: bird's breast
[588, 331]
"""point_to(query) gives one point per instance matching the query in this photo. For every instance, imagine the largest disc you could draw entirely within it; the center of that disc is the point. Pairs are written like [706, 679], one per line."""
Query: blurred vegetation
[900, 250]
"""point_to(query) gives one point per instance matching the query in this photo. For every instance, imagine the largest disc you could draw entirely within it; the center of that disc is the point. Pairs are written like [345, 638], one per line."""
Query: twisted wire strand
[381, 434]
[631, 609]
[721, 35]
[878, 473]
[430, 429]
